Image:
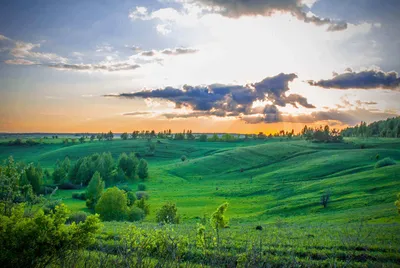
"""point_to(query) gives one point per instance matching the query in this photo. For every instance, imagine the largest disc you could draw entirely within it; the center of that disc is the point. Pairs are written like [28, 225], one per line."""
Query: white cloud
[104, 48]
[24, 50]
[139, 13]
[19, 62]
[163, 29]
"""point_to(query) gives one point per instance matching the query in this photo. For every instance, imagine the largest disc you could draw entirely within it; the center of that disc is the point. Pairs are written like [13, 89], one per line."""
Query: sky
[239, 66]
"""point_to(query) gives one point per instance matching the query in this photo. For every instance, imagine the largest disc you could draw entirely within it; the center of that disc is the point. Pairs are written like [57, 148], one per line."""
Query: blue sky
[58, 60]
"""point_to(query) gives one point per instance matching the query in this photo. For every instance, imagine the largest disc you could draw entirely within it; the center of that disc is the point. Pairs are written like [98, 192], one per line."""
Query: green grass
[261, 180]
[271, 183]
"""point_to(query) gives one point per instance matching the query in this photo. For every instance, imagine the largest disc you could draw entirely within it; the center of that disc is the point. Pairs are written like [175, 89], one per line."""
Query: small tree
[183, 158]
[168, 213]
[34, 175]
[397, 203]
[142, 204]
[94, 190]
[325, 199]
[124, 136]
[112, 205]
[143, 170]
[82, 139]
[218, 219]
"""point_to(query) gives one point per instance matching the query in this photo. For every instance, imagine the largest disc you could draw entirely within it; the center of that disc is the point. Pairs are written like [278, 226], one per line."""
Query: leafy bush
[94, 190]
[141, 187]
[142, 195]
[50, 206]
[112, 205]
[124, 188]
[131, 197]
[135, 214]
[143, 170]
[183, 158]
[41, 240]
[168, 213]
[385, 162]
[79, 196]
[142, 204]
[77, 217]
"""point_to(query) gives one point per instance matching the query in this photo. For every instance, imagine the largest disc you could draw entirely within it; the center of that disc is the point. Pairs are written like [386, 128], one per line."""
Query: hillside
[262, 181]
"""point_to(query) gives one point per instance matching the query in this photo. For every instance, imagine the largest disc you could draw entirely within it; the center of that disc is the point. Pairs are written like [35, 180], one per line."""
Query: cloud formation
[348, 117]
[170, 52]
[239, 8]
[24, 53]
[229, 100]
[96, 67]
[362, 80]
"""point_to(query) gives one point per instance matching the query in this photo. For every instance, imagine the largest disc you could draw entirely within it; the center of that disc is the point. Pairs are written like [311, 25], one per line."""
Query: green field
[272, 183]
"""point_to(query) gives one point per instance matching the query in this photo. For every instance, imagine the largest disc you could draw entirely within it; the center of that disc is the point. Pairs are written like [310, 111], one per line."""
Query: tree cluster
[389, 128]
[321, 134]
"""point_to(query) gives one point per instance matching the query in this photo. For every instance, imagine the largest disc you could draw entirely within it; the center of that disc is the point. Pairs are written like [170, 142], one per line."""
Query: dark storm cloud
[238, 8]
[95, 67]
[235, 99]
[229, 100]
[362, 80]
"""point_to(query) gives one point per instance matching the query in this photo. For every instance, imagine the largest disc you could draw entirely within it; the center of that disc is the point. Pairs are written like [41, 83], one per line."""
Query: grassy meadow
[276, 184]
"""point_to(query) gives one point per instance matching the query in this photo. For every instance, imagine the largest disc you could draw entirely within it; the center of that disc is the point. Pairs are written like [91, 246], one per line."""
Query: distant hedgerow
[385, 162]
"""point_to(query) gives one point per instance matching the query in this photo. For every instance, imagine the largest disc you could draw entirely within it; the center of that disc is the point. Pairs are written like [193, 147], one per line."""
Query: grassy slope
[279, 179]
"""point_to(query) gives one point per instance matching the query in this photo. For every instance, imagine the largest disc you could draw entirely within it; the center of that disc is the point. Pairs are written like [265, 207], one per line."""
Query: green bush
[143, 170]
[141, 187]
[142, 194]
[50, 206]
[168, 213]
[77, 217]
[135, 214]
[94, 190]
[112, 205]
[124, 188]
[41, 240]
[131, 197]
[385, 162]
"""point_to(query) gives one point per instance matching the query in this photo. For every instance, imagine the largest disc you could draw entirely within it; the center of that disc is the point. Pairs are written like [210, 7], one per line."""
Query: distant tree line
[389, 128]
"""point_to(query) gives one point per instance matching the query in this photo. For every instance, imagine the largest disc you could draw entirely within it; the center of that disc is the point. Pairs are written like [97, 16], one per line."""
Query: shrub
[50, 206]
[143, 170]
[183, 158]
[77, 217]
[168, 213]
[79, 196]
[142, 195]
[141, 187]
[142, 204]
[94, 190]
[41, 240]
[135, 214]
[124, 188]
[397, 203]
[112, 205]
[131, 198]
[385, 162]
